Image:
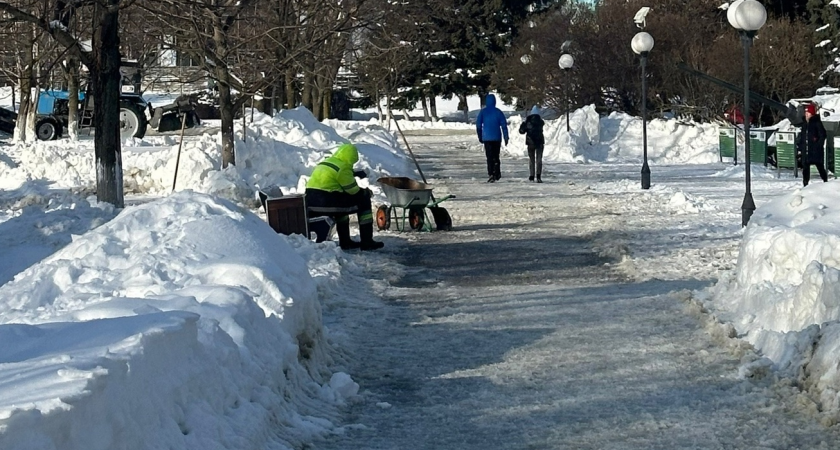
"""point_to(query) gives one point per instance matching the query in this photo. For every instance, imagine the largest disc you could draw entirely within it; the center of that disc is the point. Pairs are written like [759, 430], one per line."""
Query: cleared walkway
[518, 331]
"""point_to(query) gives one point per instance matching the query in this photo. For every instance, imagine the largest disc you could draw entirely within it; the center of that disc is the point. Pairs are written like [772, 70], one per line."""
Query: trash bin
[786, 151]
[287, 214]
[758, 147]
[831, 130]
[726, 142]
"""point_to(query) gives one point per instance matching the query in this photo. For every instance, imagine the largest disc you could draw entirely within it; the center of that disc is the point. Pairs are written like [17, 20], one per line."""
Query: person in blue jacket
[491, 126]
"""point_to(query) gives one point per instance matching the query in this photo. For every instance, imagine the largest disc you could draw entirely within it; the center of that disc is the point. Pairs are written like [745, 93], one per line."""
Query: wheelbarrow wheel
[416, 218]
[383, 217]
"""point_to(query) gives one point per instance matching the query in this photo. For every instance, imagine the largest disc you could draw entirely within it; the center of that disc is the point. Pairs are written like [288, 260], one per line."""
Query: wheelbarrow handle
[439, 201]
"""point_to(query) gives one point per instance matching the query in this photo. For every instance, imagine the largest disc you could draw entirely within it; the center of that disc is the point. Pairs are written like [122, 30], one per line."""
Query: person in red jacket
[812, 144]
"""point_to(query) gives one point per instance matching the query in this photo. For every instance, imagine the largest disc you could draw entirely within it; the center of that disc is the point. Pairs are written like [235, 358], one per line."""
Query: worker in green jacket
[333, 184]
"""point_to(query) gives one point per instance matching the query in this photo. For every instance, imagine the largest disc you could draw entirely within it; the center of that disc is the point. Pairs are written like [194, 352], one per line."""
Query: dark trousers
[806, 172]
[326, 199]
[492, 149]
[535, 160]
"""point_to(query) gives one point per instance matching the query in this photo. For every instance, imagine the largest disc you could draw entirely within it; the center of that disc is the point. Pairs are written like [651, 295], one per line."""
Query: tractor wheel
[133, 121]
[416, 218]
[47, 129]
[383, 217]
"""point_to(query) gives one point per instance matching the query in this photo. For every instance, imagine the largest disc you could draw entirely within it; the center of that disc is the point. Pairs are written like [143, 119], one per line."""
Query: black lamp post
[746, 16]
[642, 44]
[566, 62]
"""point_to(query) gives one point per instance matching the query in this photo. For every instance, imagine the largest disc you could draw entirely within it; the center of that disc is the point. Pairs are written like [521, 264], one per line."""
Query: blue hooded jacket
[491, 124]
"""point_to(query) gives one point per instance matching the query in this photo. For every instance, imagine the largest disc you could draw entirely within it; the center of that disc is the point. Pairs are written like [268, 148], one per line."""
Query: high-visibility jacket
[335, 174]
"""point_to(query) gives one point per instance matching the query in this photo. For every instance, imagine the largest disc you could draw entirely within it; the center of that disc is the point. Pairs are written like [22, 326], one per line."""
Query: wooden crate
[287, 214]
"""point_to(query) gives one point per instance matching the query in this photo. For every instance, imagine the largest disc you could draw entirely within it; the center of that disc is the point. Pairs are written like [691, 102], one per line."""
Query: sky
[134, 328]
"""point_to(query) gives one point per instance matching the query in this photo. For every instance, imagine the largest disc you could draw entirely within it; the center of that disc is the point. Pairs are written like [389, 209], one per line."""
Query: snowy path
[552, 318]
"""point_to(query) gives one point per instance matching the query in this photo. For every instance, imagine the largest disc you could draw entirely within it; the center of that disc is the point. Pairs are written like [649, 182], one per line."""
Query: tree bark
[226, 106]
[462, 102]
[105, 84]
[306, 94]
[291, 101]
[73, 98]
[26, 114]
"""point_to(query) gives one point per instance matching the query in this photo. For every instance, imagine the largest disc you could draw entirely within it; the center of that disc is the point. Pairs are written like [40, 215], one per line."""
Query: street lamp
[746, 16]
[642, 44]
[566, 62]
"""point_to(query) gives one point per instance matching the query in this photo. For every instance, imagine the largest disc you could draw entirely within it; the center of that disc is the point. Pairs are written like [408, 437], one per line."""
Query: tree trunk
[73, 98]
[226, 106]
[315, 92]
[433, 107]
[425, 109]
[326, 99]
[23, 125]
[226, 111]
[291, 100]
[26, 113]
[105, 84]
[306, 94]
[388, 110]
[379, 113]
[462, 102]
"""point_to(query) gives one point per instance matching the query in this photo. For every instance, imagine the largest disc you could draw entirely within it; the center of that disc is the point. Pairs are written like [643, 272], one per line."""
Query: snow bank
[187, 316]
[784, 296]
[278, 151]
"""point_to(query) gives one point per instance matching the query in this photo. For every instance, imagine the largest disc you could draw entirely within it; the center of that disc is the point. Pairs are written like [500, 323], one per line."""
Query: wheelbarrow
[409, 202]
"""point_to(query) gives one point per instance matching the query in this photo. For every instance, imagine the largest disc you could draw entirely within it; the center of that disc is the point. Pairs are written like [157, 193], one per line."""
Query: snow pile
[618, 138]
[146, 323]
[784, 296]
[278, 151]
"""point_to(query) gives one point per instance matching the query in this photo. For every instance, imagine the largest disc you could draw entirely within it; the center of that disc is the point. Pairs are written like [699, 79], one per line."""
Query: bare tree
[103, 60]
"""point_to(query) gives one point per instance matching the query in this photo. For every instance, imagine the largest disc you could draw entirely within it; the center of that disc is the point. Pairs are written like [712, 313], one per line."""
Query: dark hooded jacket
[532, 128]
[491, 124]
[812, 141]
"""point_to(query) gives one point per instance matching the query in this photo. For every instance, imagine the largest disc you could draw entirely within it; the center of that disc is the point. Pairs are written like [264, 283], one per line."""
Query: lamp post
[642, 44]
[566, 62]
[746, 16]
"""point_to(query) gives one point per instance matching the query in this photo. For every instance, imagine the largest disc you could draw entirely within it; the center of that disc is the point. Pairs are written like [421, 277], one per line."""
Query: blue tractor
[53, 109]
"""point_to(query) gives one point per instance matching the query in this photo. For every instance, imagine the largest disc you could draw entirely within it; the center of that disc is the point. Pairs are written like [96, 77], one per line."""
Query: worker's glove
[360, 174]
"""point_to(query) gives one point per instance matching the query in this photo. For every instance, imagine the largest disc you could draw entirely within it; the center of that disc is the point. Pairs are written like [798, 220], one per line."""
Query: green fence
[727, 145]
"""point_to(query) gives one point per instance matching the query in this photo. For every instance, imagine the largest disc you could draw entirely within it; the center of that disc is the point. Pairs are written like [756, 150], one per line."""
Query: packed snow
[184, 321]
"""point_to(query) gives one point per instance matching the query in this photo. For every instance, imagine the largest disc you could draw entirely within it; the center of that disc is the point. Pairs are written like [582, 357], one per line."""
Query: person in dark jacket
[333, 184]
[532, 128]
[812, 144]
[491, 126]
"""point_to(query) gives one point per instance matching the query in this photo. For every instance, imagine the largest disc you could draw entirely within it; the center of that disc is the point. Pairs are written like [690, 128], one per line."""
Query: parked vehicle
[54, 107]
[734, 115]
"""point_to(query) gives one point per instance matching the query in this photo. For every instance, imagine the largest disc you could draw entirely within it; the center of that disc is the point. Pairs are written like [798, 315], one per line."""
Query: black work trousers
[326, 199]
[492, 150]
[806, 172]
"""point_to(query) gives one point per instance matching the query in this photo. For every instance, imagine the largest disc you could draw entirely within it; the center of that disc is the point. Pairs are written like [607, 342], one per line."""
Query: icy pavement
[556, 316]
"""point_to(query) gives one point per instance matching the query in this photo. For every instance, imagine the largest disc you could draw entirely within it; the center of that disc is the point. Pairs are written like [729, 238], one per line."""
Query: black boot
[344, 241]
[366, 232]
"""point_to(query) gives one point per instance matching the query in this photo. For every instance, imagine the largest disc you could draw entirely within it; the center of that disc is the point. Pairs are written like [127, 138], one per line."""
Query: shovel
[443, 220]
